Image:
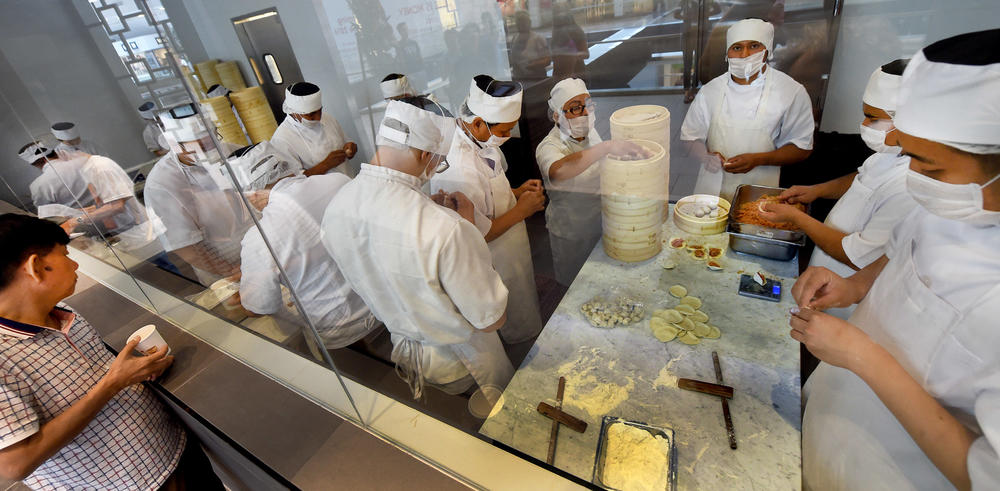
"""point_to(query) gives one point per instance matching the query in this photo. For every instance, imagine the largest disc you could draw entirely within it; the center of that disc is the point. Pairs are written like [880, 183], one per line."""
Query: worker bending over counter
[743, 125]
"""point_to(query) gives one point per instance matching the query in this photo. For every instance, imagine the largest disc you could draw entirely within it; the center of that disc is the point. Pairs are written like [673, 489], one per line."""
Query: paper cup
[150, 340]
[486, 401]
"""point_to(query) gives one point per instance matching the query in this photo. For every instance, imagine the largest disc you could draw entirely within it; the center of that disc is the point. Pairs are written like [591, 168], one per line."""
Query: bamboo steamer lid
[230, 76]
[255, 112]
[646, 122]
[206, 72]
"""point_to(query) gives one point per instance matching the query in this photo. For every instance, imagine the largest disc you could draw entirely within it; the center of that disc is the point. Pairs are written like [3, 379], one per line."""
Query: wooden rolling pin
[571, 422]
[706, 387]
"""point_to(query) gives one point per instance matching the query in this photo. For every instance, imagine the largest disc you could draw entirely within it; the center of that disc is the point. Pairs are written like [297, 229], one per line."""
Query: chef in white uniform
[61, 189]
[569, 160]
[748, 122]
[396, 86]
[423, 268]
[152, 133]
[908, 394]
[189, 192]
[70, 142]
[291, 217]
[307, 134]
[477, 170]
[872, 201]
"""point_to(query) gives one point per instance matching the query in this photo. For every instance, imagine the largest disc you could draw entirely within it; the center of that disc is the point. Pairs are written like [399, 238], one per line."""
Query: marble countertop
[628, 373]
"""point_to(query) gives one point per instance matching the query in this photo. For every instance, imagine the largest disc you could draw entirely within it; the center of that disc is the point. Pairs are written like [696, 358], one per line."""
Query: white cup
[486, 401]
[150, 340]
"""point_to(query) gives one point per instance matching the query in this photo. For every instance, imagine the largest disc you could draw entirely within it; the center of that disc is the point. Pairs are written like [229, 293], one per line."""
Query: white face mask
[578, 127]
[874, 136]
[746, 67]
[494, 141]
[959, 202]
[307, 124]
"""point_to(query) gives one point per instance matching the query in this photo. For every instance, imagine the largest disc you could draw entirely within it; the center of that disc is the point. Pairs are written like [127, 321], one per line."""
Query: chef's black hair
[51, 154]
[146, 106]
[239, 152]
[896, 67]
[423, 102]
[62, 125]
[392, 76]
[303, 88]
[20, 237]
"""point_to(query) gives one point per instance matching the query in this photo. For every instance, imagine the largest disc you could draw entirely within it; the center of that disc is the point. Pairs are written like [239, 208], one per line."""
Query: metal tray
[781, 250]
[667, 433]
[750, 192]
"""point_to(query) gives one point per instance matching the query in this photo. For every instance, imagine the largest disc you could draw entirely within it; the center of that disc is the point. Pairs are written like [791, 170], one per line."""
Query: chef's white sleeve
[180, 225]
[983, 462]
[797, 124]
[260, 286]
[460, 178]
[867, 245]
[548, 153]
[465, 270]
[698, 118]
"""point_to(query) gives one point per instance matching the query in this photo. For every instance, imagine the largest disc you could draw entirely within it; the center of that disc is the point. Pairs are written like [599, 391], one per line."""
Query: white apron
[573, 216]
[731, 137]
[850, 440]
[512, 260]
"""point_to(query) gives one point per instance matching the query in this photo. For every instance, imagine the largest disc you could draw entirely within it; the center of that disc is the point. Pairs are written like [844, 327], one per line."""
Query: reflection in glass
[272, 69]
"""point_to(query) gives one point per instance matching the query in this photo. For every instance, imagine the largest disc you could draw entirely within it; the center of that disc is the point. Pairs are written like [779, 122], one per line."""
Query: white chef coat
[934, 308]
[153, 137]
[422, 269]
[110, 182]
[61, 190]
[488, 189]
[291, 222]
[573, 215]
[787, 111]
[192, 208]
[85, 146]
[875, 203]
[310, 146]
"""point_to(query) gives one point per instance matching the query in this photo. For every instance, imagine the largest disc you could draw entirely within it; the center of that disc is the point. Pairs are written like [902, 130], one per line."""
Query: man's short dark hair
[20, 237]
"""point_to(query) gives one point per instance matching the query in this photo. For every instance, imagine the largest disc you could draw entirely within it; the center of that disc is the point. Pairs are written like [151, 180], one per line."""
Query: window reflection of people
[313, 138]
[477, 170]
[203, 217]
[908, 394]
[70, 142]
[291, 217]
[529, 51]
[569, 48]
[396, 86]
[569, 160]
[746, 123]
[152, 132]
[408, 53]
[871, 201]
[423, 268]
[61, 190]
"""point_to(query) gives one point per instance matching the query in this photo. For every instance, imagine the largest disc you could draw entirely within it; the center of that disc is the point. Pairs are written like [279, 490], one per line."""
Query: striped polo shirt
[132, 443]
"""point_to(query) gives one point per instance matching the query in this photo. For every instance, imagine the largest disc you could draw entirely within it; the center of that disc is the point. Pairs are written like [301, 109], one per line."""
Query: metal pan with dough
[602, 444]
[746, 193]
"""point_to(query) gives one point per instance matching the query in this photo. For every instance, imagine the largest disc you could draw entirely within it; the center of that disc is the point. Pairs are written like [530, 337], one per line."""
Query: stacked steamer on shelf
[255, 113]
[207, 74]
[194, 82]
[632, 203]
[221, 114]
[651, 123]
[230, 76]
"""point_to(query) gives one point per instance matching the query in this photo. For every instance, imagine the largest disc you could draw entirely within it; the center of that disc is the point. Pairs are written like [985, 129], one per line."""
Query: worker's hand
[801, 194]
[832, 340]
[819, 289]
[628, 150]
[529, 185]
[781, 213]
[258, 199]
[463, 205]
[69, 226]
[350, 149]
[713, 162]
[741, 164]
[337, 157]
[441, 198]
[530, 202]
[129, 369]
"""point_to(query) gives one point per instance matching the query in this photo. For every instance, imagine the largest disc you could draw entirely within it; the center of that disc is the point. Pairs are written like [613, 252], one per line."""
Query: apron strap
[409, 356]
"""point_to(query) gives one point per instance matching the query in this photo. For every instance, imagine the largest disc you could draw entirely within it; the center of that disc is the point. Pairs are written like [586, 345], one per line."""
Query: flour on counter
[635, 459]
[584, 390]
[665, 378]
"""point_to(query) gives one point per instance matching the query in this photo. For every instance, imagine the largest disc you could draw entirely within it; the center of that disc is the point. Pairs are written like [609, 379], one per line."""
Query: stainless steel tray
[781, 250]
[749, 192]
[602, 443]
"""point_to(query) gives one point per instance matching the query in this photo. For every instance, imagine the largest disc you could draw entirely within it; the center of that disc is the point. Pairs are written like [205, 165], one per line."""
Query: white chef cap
[565, 90]
[147, 110]
[396, 85]
[302, 98]
[182, 124]
[417, 122]
[950, 93]
[493, 100]
[260, 165]
[217, 90]
[751, 30]
[64, 130]
[33, 151]
[882, 90]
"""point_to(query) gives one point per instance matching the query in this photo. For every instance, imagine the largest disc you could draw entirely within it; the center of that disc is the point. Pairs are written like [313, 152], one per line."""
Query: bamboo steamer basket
[646, 122]
[221, 114]
[207, 74]
[230, 76]
[704, 225]
[632, 205]
[194, 82]
[255, 112]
